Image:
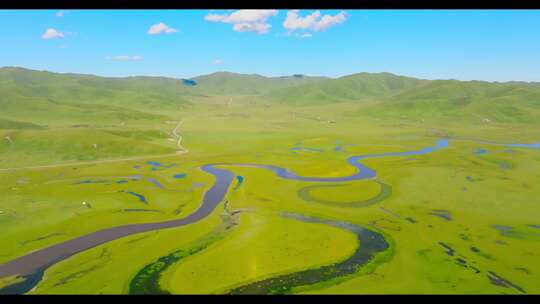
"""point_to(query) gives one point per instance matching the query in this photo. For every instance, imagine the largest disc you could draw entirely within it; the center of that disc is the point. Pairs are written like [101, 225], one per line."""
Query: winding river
[371, 243]
[32, 266]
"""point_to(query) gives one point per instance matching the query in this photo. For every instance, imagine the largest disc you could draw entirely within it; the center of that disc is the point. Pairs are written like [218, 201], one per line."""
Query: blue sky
[494, 45]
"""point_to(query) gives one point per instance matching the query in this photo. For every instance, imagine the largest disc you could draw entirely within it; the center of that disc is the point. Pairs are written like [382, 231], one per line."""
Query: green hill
[239, 84]
[389, 95]
[472, 100]
[131, 92]
[16, 125]
[40, 97]
[353, 87]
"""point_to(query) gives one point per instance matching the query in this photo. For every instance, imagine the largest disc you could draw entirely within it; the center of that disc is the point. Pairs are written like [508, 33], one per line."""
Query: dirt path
[88, 162]
[178, 137]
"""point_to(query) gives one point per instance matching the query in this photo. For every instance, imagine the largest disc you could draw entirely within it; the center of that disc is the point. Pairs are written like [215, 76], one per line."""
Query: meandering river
[32, 266]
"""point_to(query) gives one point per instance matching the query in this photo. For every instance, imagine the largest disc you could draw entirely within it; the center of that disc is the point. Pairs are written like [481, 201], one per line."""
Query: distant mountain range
[25, 93]
[232, 83]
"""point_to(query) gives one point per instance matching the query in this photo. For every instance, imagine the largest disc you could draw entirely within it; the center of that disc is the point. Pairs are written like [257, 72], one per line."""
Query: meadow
[81, 153]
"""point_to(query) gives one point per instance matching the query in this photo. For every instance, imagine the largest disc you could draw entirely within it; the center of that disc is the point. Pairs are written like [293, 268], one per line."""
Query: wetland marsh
[312, 198]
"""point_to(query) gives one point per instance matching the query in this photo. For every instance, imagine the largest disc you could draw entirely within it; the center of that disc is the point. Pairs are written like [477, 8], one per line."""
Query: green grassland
[73, 147]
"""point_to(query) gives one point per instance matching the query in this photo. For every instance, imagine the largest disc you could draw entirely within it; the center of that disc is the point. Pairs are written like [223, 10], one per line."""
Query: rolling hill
[227, 83]
[36, 97]
[26, 87]
[352, 87]
[464, 100]
[389, 95]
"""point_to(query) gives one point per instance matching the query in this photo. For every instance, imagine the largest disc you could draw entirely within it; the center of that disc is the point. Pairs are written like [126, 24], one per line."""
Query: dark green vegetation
[78, 152]
[146, 281]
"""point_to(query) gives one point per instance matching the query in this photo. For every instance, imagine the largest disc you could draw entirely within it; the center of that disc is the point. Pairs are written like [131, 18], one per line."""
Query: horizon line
[266, 76]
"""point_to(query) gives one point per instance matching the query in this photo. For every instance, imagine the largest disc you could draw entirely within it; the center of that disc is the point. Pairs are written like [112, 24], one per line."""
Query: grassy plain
[85, 191]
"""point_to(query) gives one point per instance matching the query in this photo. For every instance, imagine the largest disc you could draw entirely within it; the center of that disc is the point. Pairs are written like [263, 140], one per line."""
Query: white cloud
[294, 22]
[51, 33]
[215, 17]
[160, 28]
[125, 58]
[61, 13]
[315, 21]
[306, 35]
[218, 61]
[246, 20]
[250, 16]
[259, 28]
[327, 21]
